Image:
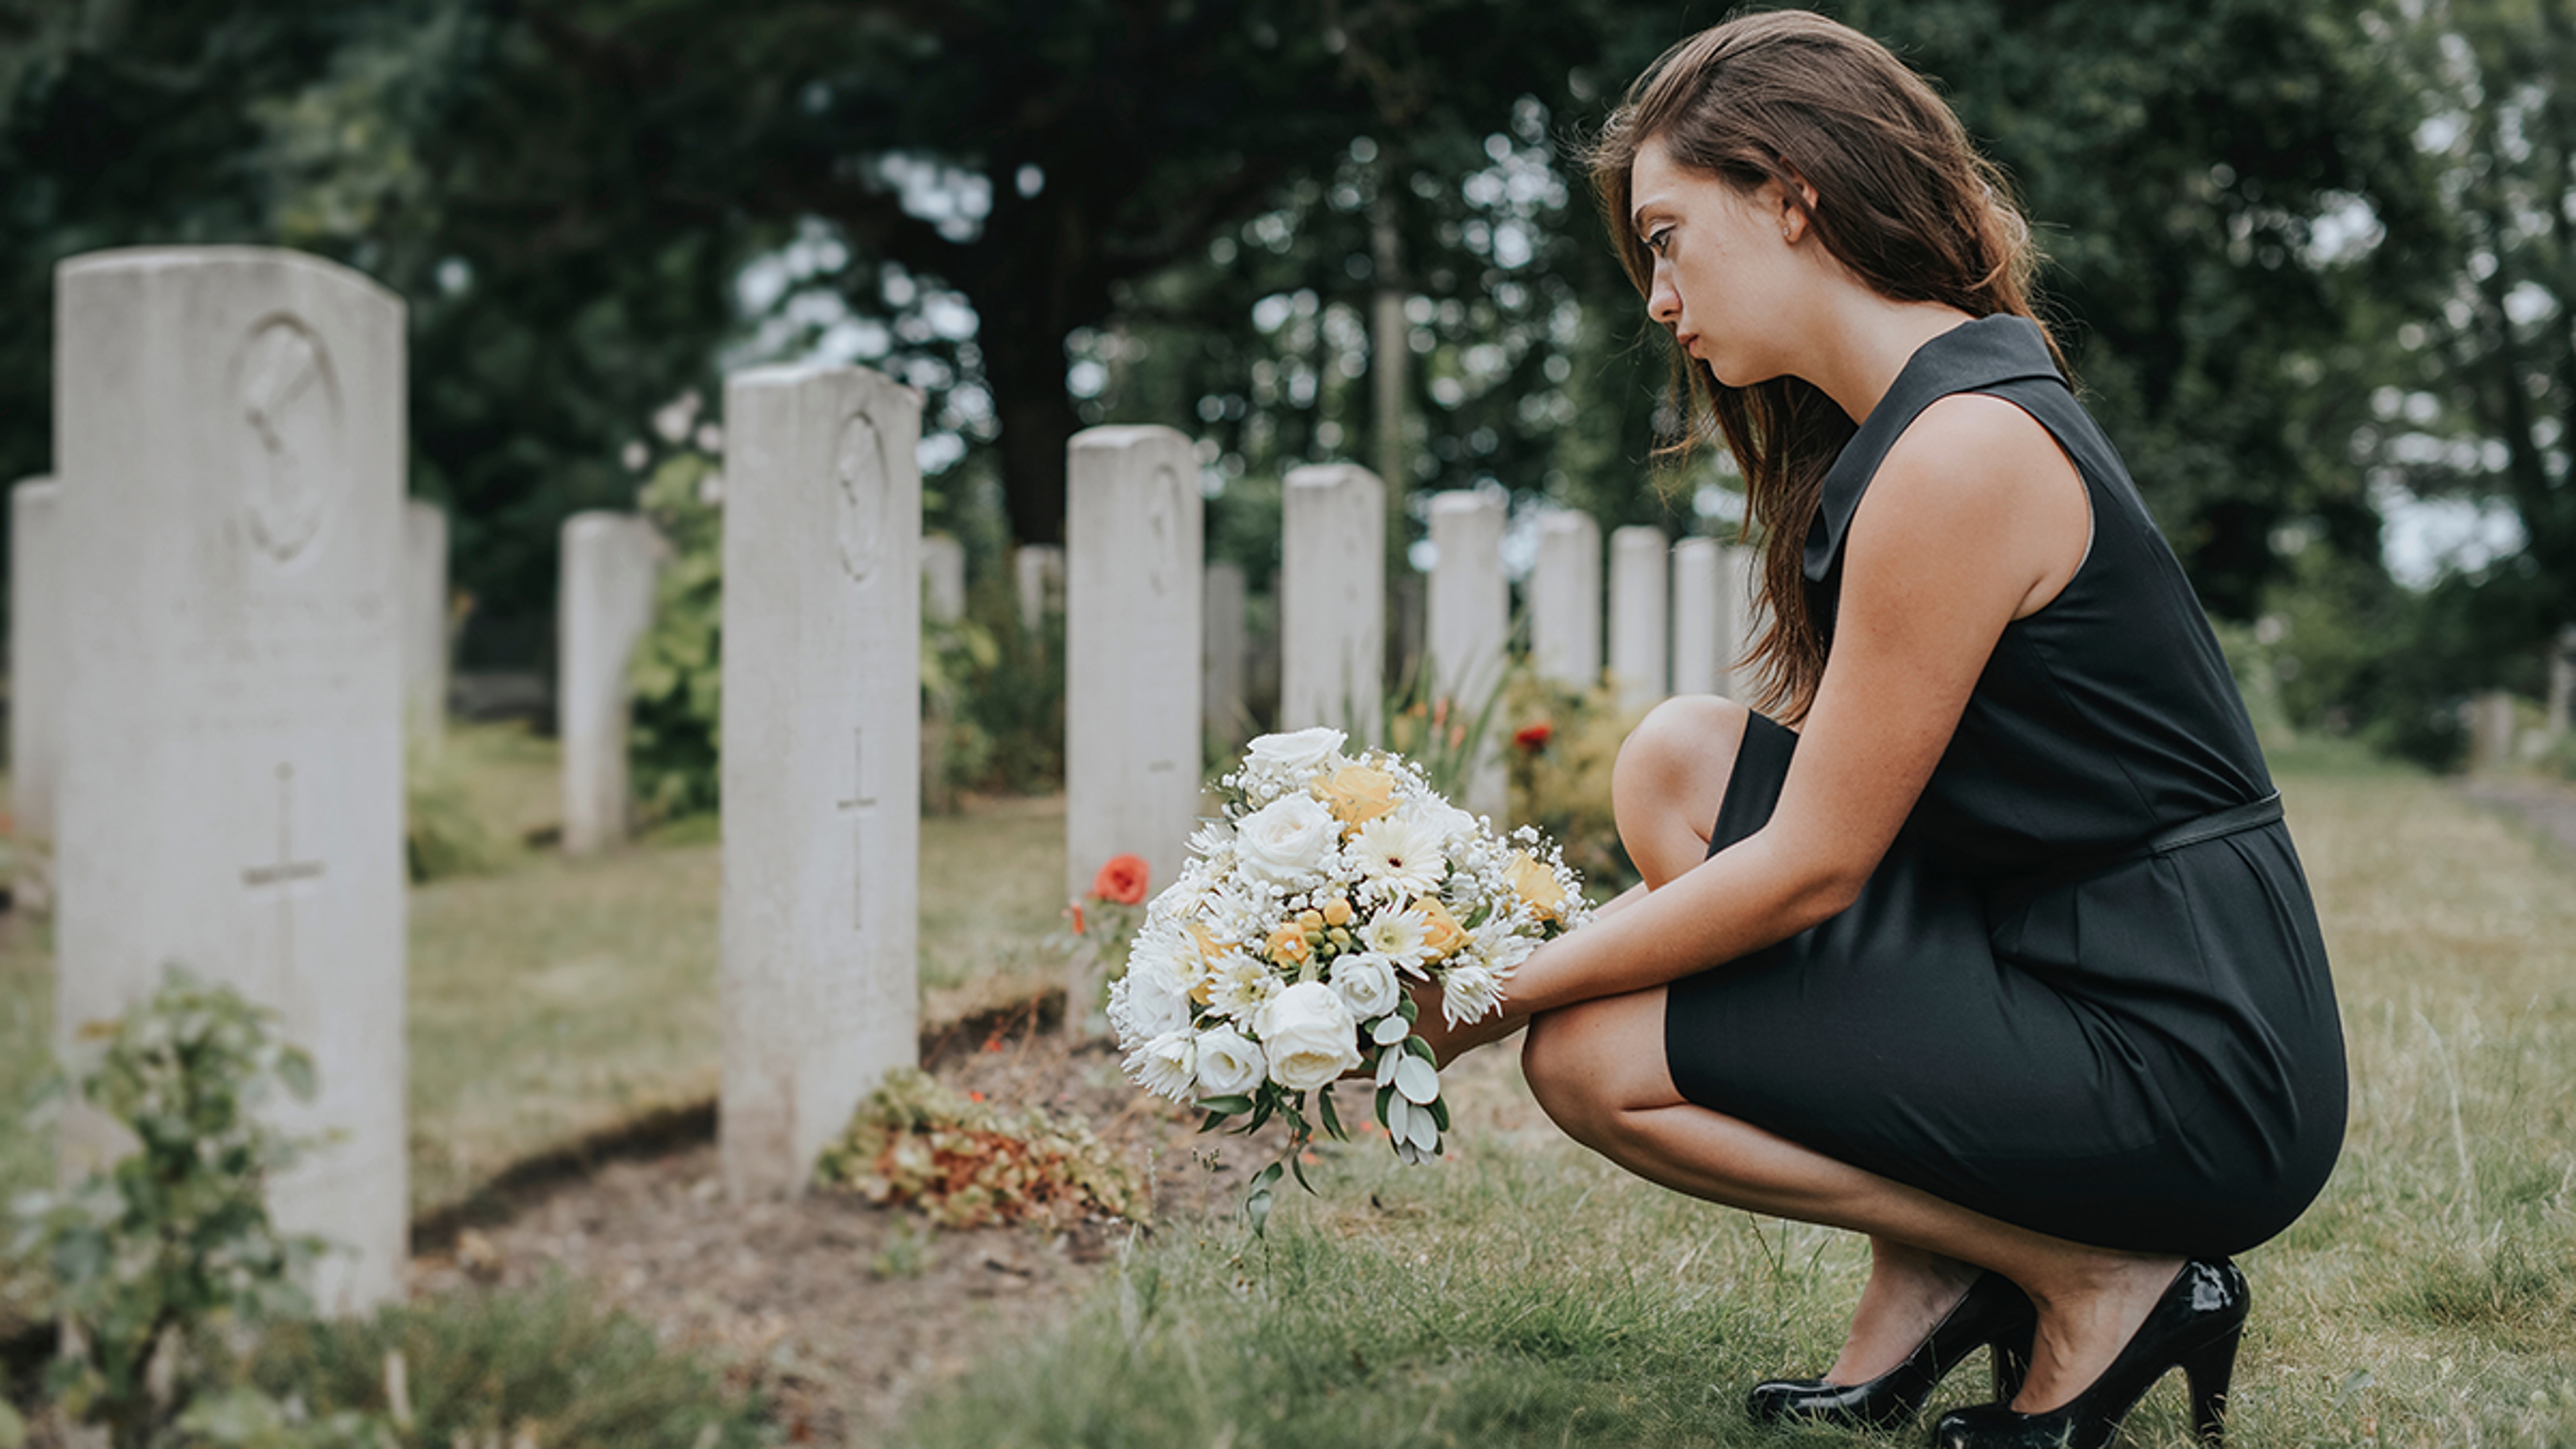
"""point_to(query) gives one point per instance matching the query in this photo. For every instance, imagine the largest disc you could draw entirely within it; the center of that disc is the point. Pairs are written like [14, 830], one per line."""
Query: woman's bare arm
[1975, 519]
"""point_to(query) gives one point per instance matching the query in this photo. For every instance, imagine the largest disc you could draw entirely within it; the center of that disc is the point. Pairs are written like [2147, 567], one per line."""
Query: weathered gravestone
[1134, 558]
[1637, 615]
[229, 430]
[1565, 600]
[822, 781]
[1332, 599]
[943, 577]
[36, 666]
[1223, 707]
[609, 564]
[1037, 569]
[2562, 684]
[425, 617]
[2491, 730]
[1469, 615]
[1699, 617]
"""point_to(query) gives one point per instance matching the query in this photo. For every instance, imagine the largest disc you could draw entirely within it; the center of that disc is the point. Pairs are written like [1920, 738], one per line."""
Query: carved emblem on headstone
[859, 470]
[1162, 529]
[290, 408]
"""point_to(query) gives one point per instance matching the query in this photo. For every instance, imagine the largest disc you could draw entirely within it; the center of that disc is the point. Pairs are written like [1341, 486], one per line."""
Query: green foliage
[480, 1368]
[994, 694]
[677, 672]
[1444, 734]
[1560, 746]
[174, 1238]
[443, 834]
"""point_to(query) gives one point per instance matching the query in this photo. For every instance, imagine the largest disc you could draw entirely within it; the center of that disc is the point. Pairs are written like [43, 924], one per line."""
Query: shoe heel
[2209, 1369]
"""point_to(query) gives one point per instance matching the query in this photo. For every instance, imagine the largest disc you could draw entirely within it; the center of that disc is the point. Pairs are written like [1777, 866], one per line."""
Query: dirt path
[2547, 806]
[834, 1311]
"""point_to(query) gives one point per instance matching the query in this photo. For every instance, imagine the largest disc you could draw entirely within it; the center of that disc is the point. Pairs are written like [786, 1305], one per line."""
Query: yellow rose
[1441, 933]
[1536, 884]
[1204, 983]
[1287, 945]
[1358, 794]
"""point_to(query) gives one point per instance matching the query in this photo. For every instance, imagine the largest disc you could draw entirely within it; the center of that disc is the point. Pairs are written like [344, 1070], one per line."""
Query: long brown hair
[1901, 198]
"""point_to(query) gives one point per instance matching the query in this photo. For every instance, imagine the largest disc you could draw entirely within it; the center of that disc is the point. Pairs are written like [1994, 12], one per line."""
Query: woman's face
[1726, 270]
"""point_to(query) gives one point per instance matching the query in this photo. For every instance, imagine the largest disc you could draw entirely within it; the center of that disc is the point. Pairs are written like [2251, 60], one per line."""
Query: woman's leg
[1599, 1070]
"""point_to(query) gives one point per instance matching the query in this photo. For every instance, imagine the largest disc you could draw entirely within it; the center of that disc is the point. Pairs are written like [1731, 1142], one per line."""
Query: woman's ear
[1793, 201]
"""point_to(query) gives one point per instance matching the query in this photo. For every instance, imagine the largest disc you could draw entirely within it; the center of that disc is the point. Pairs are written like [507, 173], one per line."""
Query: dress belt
[2234, 820]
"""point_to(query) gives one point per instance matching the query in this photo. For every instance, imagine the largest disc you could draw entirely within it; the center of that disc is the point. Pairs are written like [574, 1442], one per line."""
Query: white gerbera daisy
[1400, 936]
[1397, 858]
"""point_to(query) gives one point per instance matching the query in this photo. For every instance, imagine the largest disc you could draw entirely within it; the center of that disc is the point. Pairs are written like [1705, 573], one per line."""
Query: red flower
[1534, 738]
[1121, 881]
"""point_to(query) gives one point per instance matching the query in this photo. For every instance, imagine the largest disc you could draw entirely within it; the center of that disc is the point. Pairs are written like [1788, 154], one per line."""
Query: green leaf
[1226, 1106]
[1332, 1118]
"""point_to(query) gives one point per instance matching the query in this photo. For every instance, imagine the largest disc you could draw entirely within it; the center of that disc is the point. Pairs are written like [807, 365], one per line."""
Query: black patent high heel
[1994, 1314]
[2195, 1327]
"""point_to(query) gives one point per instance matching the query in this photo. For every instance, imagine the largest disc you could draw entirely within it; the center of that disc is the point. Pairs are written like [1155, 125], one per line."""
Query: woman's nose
[1663, 301]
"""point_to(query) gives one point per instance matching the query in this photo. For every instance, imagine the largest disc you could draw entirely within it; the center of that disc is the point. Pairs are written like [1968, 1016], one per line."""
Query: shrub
[678, 667]
[443, 835]
[1562, 744]
[964, 1164]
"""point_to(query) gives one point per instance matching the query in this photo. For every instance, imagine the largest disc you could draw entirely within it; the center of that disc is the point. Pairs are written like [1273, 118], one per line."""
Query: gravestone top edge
[1695, 544]
[38, 481]
[1128, 435]
[174, 259]
[1464, 500]
[1634, 533]
[801, 374]
[1326, 475]
[1566, 520]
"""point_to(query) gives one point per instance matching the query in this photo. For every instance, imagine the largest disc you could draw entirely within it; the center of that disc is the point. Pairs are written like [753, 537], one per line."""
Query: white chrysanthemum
[1230, 1063]
[1468, 992]
[1167, 1066]
[1399, 935]
[1288, 841]
[1213, 841]
[1154, 994]
[1241, 986]
[1367, 984]
[1397, 858]
[1505, 940]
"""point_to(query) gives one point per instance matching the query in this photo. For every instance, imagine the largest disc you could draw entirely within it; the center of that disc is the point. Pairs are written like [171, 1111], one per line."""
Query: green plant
[172, 1242]
[443, 834]
[994, 693]
[677, 673]
[1563, 744]
[1443, 734]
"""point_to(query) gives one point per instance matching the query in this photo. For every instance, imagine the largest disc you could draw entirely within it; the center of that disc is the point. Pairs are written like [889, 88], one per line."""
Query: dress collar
[1969, 357]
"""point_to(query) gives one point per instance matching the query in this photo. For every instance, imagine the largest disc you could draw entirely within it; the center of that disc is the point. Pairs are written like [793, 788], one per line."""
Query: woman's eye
[1658, 241]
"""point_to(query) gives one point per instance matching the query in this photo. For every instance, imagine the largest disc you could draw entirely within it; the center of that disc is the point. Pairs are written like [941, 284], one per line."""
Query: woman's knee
[1583, 1063]
[1670, 779]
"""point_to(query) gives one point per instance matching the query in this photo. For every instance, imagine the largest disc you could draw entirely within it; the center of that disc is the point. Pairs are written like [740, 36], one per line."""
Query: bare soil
[834, 1311]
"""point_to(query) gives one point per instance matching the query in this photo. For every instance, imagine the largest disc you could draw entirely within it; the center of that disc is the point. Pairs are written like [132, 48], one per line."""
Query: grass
[555, 997]
[1529, 1294]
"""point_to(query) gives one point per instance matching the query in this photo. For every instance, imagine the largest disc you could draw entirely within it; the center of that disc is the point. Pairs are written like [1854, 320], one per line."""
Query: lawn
[1528, 1294]
[554, 998]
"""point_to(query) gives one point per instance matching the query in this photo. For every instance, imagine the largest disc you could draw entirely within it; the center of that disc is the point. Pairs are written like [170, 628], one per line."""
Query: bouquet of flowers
[1276, 964]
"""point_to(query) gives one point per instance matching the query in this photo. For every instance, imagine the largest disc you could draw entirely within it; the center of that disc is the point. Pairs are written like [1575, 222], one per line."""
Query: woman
[2003, 957]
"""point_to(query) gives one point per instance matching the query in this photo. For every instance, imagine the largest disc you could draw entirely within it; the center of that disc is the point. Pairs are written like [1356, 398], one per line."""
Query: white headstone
[1565, 600]
[2562, 684]
[2491, 730]
[1742, 581]
[822, 760]
[229, 433]
[1637, 615]
[1038, 570]
[36, 665]
[1132, 651]
[943, 577]
[1332, 599]
[1467, 628]
[1699, 616]
[1225, 709]
[425, 617]
[609, 564]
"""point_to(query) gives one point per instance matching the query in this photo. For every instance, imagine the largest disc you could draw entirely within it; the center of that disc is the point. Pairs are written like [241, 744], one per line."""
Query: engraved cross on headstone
[860, 807]
[283, 876]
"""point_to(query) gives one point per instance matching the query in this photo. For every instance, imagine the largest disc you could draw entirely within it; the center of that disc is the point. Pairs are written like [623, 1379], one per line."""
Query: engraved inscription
[1162, 530]
[859, 472]
[291, 460]
[285, 878]
[861, 807]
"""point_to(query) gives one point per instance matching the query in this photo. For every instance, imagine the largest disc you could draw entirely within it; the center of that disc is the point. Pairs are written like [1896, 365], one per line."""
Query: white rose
[1445, 822]
[1310, 1036]
[1366, 982]
[1286, 840]
[1295, 752]
[1230, 1064]
[1167, 1066]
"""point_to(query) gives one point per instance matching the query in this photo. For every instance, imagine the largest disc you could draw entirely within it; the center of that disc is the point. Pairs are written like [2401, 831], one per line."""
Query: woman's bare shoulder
[1978, 478]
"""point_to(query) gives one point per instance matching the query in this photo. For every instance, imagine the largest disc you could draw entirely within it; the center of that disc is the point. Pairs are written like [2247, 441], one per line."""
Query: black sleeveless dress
[2084, 992]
